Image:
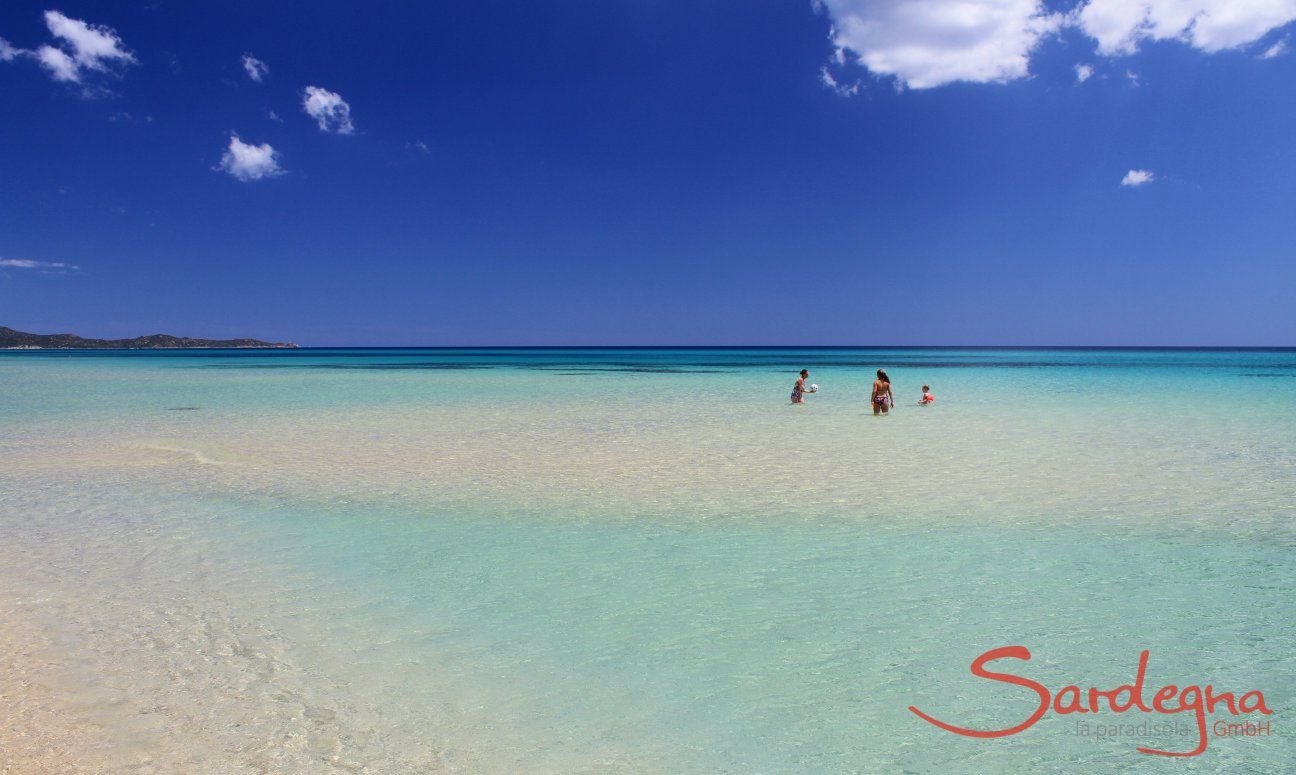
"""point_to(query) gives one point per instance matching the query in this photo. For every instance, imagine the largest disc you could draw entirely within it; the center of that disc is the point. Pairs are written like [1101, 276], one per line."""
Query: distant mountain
[10, 338]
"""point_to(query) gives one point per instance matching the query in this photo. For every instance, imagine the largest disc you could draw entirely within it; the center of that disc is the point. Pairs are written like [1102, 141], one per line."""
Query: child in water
[927, 397]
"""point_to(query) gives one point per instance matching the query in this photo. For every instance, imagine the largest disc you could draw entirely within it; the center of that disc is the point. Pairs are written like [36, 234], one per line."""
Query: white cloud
[255, 68]
[926, 43]
[1276, 50]
[79, 48]
[1083, 72]
[418, 145]
[93, 47]
[246, 162]
[329, 110]
[1120, 26]
[22, 263]
[1135, 178]
[827, 79]
[61, 66]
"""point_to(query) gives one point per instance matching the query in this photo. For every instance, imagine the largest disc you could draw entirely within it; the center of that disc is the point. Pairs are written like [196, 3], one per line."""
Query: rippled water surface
[644, 560]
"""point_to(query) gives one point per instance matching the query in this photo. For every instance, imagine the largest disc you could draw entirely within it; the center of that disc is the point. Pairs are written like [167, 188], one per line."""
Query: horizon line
[1275, 348]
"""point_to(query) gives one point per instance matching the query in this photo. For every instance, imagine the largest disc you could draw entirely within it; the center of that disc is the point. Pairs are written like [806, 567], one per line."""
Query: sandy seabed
[39, 731]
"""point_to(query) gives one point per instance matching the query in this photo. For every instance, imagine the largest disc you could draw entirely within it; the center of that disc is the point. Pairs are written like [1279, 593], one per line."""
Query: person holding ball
[799, 389]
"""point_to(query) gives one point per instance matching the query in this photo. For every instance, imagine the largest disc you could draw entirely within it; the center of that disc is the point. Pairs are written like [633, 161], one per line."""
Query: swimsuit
[796, 392]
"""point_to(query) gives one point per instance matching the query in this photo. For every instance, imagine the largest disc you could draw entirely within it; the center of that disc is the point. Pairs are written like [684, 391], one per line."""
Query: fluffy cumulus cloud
[79, 48]
[1083, 72]
[88, 47]
[1136, 178]
[329, 110]
[1120, 26]
[44, 266]
[928, 43]
[61, 67]
[255, 68]
[247, 162]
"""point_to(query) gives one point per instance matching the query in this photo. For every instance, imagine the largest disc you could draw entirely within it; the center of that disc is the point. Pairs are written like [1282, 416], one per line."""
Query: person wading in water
[799, 389]
[882, 396]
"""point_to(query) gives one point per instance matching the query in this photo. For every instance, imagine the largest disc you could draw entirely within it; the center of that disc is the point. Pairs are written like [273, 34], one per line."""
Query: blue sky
[634, 172]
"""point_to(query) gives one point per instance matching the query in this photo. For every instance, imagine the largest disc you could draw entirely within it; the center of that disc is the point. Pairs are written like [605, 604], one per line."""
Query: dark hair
[926, 387]
[805, 373]
[882, 376]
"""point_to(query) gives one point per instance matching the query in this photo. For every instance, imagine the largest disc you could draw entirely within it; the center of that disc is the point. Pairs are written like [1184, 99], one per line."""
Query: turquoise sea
[646, 560]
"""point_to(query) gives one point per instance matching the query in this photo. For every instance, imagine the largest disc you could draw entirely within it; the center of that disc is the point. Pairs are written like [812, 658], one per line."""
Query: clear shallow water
[645, 560]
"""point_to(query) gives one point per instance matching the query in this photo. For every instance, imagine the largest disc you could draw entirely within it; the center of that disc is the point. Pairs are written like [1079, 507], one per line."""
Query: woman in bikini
[882, 396]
